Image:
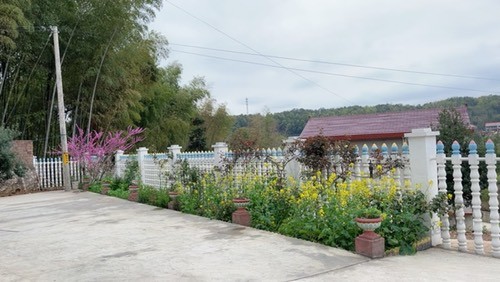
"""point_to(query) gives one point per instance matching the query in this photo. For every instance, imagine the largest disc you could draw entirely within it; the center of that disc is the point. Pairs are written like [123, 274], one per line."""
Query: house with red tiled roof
[492, 126]
[375, 128]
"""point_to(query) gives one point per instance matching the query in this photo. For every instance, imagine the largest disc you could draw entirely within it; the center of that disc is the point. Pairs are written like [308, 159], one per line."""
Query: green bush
[119, 183]
[119, 193]
[152, 196]
[9, 165]
[207, 197]
[95, 187]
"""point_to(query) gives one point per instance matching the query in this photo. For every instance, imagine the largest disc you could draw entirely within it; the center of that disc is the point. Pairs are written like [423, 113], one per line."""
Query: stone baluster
[477, 225]
[141, 155]
[406, 162]
[445, 222]
[396, 175]
[119, 163]
[456, 160]
[365, 162]
[493, 193]
[385, 155]
[357, 164]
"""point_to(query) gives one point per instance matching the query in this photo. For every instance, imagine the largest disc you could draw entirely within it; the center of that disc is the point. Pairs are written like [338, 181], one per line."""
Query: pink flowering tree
[95, 150]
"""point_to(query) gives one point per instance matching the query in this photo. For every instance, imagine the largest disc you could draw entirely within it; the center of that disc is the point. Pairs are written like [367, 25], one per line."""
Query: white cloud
[455, 37]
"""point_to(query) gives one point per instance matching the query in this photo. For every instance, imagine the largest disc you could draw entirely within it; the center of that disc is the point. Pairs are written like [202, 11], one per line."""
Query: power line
[256, 52]
[339, 64]
[338, 74]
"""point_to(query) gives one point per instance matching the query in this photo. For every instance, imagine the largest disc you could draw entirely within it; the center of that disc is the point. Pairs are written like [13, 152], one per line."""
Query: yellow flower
[321, 212]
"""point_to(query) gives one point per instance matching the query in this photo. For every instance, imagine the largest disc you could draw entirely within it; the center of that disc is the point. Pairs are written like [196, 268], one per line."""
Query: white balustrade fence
[478, 222]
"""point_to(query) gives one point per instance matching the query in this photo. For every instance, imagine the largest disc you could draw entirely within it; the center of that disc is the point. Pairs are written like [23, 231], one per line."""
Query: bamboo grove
[111, 73]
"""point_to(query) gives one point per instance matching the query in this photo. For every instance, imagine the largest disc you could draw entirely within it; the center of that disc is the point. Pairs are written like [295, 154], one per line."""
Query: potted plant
[173, 194]
[369, 243]
[369, 219]
[241, 215]
[133, 190]
[105, 187]
[85, 183]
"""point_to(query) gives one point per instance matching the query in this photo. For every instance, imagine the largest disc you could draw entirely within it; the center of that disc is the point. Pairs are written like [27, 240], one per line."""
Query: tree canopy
[111, 73]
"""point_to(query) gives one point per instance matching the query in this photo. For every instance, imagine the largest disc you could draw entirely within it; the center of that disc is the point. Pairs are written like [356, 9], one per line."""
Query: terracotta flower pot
[173, 204]
[105, 188]
[173, 195]
[241, 203]
[133, 193]
[369, 243]
[241, 215]
[369, 224]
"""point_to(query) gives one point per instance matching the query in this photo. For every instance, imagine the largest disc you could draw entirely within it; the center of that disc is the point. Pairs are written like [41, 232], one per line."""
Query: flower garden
[318, 209]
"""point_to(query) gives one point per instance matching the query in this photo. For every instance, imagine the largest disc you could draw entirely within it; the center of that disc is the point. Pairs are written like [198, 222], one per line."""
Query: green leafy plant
[370, 212]
[119, 193]
[152, 196]
[440, 204]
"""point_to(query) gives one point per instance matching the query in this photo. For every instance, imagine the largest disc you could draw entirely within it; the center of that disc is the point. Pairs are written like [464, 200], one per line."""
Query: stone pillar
[370, 244]
[220, 150]
[118, 167]
[141, 153]
[174, 150]
[423, 166]
[292, 168]
[23, 149]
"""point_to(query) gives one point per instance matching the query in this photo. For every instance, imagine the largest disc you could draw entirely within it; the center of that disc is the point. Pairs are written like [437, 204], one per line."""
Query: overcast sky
[459, 37]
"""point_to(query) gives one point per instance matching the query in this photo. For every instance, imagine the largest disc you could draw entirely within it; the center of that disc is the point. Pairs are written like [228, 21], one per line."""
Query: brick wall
[24, 151]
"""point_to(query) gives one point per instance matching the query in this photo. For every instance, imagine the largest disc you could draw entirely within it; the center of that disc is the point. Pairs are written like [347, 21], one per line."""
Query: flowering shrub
[319, 210]
[96, 149]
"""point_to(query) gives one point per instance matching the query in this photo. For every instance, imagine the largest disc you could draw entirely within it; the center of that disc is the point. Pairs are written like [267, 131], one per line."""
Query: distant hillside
[290, 123]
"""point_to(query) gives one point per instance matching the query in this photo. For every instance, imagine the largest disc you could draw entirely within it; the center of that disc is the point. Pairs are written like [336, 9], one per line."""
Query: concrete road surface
[82, 236]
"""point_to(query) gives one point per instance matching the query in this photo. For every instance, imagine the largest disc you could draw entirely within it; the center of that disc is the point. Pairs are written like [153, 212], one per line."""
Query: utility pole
[60, 106]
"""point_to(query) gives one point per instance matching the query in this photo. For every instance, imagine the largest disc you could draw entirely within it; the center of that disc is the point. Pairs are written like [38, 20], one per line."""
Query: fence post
[493, 193]
[141, 153]
[423, 165]
[292, 168]
[174, 150]
[220, 149]
[118, 167]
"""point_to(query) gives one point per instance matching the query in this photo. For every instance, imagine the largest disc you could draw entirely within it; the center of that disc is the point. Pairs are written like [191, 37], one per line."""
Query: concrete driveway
[71, 236]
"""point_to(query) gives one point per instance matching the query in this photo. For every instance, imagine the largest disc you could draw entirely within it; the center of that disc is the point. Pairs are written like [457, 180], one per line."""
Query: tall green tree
[12, 19]
[169, 108]
[216, 120]
[108, 52]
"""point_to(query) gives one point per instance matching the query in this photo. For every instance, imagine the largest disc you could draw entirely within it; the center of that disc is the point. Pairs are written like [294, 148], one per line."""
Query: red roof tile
[375, 126]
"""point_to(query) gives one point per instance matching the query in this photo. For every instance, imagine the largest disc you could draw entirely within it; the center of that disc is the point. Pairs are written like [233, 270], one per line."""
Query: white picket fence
[156, 168]
[49, 171]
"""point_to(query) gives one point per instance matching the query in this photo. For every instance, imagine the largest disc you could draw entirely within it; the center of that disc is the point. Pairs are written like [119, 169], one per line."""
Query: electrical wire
[278, 65]
[340, 75]
[339, 64]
